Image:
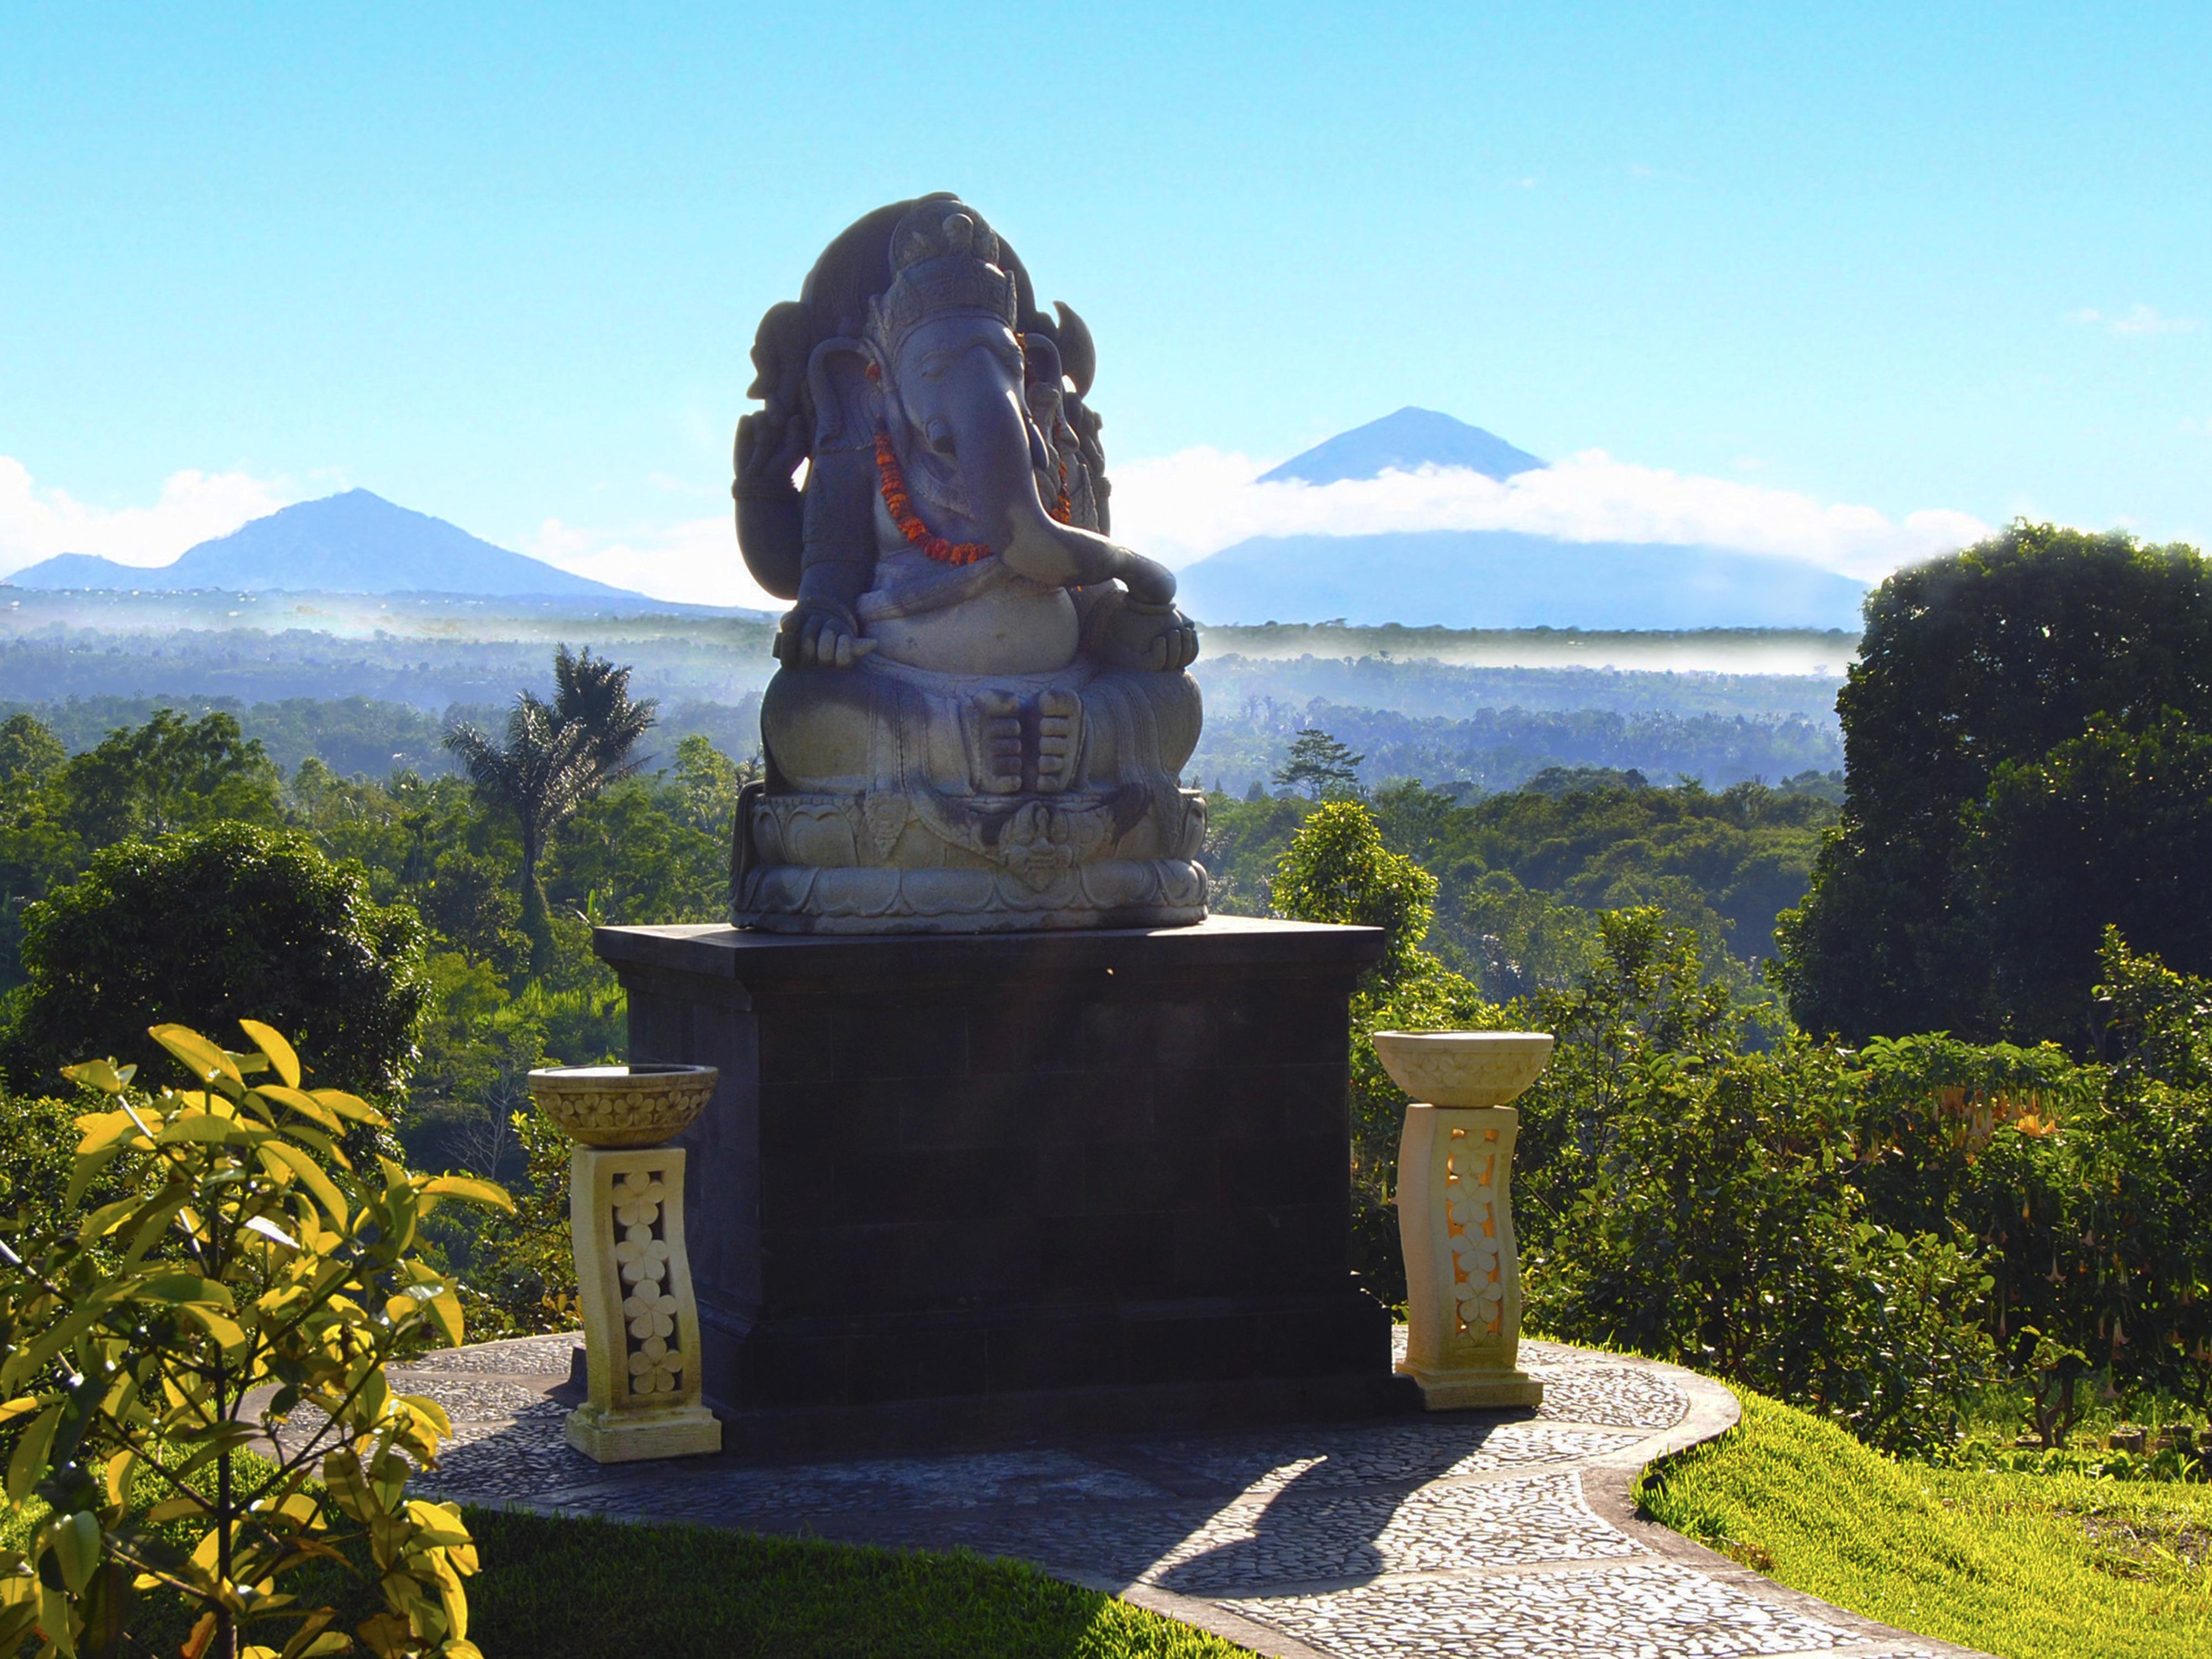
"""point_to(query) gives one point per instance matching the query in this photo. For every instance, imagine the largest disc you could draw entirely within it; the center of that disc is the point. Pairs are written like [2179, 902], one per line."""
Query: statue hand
[769, 449]
[1154, 636]
[816, 635]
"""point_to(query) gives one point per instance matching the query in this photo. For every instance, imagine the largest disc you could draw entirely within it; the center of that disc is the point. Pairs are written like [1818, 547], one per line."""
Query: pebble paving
[1459, 1534]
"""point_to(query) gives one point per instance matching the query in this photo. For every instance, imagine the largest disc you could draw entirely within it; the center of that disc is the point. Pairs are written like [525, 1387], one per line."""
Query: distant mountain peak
[1405, 442]
[355, 542]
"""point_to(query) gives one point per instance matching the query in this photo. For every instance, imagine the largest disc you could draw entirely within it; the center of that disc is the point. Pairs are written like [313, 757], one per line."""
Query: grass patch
[566, 1588]
[560, 1589]
[2026, 1566]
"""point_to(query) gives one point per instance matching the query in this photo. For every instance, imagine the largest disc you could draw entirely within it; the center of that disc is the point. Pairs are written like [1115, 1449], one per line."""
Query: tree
[707, 782]
[169, 774]
[36, 849]
[1994, 657]
[556, 756]
[470, 903]
[2111, 829]
[592, 693]
[208, 926]
[28, 749]
[1336, 870]
[1320, 765]
[631, 856]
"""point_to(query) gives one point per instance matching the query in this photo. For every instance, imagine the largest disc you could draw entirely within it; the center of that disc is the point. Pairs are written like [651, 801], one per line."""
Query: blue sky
[504, 265]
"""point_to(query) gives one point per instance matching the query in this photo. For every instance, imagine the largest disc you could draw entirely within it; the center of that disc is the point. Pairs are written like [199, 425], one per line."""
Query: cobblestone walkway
[1475, 1534]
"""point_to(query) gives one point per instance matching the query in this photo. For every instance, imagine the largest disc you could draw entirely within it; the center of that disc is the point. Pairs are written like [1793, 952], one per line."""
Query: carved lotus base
[919, 861]
[901, 799]
[1114, 893]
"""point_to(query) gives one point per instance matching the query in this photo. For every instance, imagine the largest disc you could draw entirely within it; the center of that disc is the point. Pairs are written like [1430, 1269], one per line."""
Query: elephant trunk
[992, 438]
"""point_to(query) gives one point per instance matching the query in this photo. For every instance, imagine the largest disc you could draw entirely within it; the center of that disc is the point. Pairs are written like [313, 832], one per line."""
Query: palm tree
[556, 756]
[591, 691]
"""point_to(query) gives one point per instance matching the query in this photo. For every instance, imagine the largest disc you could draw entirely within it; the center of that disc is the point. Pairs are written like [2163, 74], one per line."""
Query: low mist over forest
[366, 685]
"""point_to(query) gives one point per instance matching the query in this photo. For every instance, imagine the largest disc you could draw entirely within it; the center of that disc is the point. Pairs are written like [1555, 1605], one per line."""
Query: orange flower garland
[901, 507]
[909, 521]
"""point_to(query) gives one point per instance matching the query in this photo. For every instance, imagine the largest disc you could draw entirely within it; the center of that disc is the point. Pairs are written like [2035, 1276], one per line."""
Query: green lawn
[561, 1588]
[2026, 1566]
[588, 1589]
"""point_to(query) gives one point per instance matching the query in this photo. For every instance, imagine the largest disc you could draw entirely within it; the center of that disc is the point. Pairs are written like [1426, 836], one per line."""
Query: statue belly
[1023, 629]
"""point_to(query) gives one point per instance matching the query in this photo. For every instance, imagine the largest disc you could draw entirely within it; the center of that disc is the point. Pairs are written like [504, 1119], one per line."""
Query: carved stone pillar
[633, 1273]
[1456, 1212]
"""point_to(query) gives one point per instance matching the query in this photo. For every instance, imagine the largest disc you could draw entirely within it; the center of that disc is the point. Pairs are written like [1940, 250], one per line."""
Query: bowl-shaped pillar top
[1463, 1068]
[618, 1105]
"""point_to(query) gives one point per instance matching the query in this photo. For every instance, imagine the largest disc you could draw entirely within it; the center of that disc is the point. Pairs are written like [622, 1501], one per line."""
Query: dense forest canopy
[1522, 874]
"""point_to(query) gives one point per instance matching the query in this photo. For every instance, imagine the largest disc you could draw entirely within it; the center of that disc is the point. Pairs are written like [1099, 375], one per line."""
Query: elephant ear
[1078, 353]
[847, 403]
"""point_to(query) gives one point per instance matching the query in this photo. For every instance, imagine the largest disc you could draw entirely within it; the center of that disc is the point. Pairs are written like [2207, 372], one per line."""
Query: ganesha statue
[981, 714]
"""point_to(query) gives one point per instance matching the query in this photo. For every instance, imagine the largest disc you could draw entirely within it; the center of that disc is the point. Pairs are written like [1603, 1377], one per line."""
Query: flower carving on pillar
[650, 1315]
[655, 1368]
[655, 1362]
[1471, 1211]
[638, 1199]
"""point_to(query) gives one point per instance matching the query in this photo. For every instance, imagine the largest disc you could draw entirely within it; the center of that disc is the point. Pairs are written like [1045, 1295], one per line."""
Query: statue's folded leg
[823, 729]
[1142, 725]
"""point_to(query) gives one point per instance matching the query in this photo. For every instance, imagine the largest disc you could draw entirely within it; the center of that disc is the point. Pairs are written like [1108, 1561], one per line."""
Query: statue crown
[943, 257]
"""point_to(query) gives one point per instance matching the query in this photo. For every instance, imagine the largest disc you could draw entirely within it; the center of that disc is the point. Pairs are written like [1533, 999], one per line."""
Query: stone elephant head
[939, 348]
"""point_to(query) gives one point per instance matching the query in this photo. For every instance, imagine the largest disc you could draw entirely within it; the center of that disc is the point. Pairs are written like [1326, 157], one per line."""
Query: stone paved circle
[1462, 1533]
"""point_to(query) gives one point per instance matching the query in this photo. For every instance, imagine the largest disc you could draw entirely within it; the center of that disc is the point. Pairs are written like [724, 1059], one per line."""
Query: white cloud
[2136, 319]
[36, 524]
[694, 561]
[1177, 508]
[1180, 507]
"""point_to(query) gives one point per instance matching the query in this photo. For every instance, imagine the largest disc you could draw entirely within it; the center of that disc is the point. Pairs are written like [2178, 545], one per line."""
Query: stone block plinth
[965, 1189]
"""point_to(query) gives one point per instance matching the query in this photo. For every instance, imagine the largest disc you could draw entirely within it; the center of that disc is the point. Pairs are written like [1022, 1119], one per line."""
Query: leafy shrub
[1689, 1198]
[38, 1136]
[1981, 1453]
[521, 1270]
[1687, 1182]
[248, 1280]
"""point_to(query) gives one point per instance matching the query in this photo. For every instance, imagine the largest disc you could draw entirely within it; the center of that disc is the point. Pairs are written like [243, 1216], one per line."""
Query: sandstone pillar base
[633, 1437]
[1473, 1390]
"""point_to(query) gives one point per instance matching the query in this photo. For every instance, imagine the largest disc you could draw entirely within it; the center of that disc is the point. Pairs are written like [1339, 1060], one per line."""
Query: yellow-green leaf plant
[193, 1402]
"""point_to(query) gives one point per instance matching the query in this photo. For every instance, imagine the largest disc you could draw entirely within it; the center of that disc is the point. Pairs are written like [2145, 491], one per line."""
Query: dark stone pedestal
[968, 1189]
